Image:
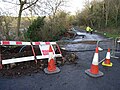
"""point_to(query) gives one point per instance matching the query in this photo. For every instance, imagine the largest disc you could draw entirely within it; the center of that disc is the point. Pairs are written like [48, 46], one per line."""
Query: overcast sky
[76, 5]
[73, 6]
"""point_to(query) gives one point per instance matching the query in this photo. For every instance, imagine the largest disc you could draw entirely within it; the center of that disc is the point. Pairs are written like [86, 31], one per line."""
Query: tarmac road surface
[71, 77]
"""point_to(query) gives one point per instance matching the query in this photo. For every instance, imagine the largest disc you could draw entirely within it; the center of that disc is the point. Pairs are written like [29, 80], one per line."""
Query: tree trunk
[116, 17]
[107, 5]
[106, 19]
[18, 22]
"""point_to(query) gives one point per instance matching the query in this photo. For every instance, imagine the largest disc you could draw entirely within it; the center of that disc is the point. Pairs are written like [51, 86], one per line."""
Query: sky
[75, 5]
[72, 6]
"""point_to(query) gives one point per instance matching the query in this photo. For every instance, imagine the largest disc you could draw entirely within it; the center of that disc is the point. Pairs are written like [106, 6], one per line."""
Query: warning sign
[44, 49]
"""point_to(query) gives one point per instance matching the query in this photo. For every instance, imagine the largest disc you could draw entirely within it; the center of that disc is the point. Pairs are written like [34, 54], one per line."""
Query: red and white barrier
[43, 46]
[14, 43]
[43, 43]
[25, 43]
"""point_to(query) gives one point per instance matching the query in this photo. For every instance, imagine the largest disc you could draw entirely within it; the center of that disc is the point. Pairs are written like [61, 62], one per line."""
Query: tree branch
[57, 6]
[30, 5]
[20, 1]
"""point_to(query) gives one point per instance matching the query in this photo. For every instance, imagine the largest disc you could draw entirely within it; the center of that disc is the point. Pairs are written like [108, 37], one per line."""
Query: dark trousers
[87, 31]
[91, 32]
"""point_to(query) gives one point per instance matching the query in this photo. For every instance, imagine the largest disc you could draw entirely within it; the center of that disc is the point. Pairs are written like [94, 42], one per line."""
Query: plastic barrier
[116, 48]
[103, 46]
[109, 43]
[43, 51]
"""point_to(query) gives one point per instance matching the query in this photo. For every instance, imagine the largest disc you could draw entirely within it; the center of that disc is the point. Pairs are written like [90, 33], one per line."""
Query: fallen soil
[28, 67]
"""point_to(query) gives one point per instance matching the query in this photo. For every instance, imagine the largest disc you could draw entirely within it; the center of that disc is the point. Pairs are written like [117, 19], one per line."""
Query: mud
[29, 67]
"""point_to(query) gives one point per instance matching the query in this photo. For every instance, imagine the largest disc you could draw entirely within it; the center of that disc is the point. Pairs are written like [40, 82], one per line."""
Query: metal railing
[116, 48]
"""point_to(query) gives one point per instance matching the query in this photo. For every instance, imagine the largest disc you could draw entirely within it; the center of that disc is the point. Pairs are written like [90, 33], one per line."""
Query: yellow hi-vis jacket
[88, 28]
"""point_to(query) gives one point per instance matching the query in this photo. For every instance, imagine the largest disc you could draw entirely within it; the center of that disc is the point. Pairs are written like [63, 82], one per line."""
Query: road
[72, 76]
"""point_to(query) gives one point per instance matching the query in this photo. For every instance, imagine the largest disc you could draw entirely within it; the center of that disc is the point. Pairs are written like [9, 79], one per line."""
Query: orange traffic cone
[94, 70]
[51, 64]
[107, 60]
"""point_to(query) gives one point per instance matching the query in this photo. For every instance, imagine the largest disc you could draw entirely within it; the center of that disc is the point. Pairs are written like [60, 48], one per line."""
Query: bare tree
[107, 11]
[54, 6]
[116, 8]
[22, 8]
[49, 7]
[23, 5]
[6, 26]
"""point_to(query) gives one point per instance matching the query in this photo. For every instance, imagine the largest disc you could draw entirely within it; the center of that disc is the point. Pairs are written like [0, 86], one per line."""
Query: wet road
[71, 77]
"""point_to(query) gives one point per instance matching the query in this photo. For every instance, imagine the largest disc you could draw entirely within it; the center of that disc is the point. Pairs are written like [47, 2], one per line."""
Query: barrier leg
[113, 49]
[63, 59]
[0, 59]
[34, 53]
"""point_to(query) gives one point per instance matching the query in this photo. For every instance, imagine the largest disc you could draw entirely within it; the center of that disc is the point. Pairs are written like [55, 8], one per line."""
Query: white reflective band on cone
[108, 55]
[95, 59]
[50, 56]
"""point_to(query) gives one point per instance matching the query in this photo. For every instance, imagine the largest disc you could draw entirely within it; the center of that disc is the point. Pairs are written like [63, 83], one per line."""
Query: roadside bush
[48, 29]
[34, 29]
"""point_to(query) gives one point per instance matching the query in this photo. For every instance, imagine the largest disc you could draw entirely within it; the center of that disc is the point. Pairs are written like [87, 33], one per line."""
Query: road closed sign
[44, 49]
